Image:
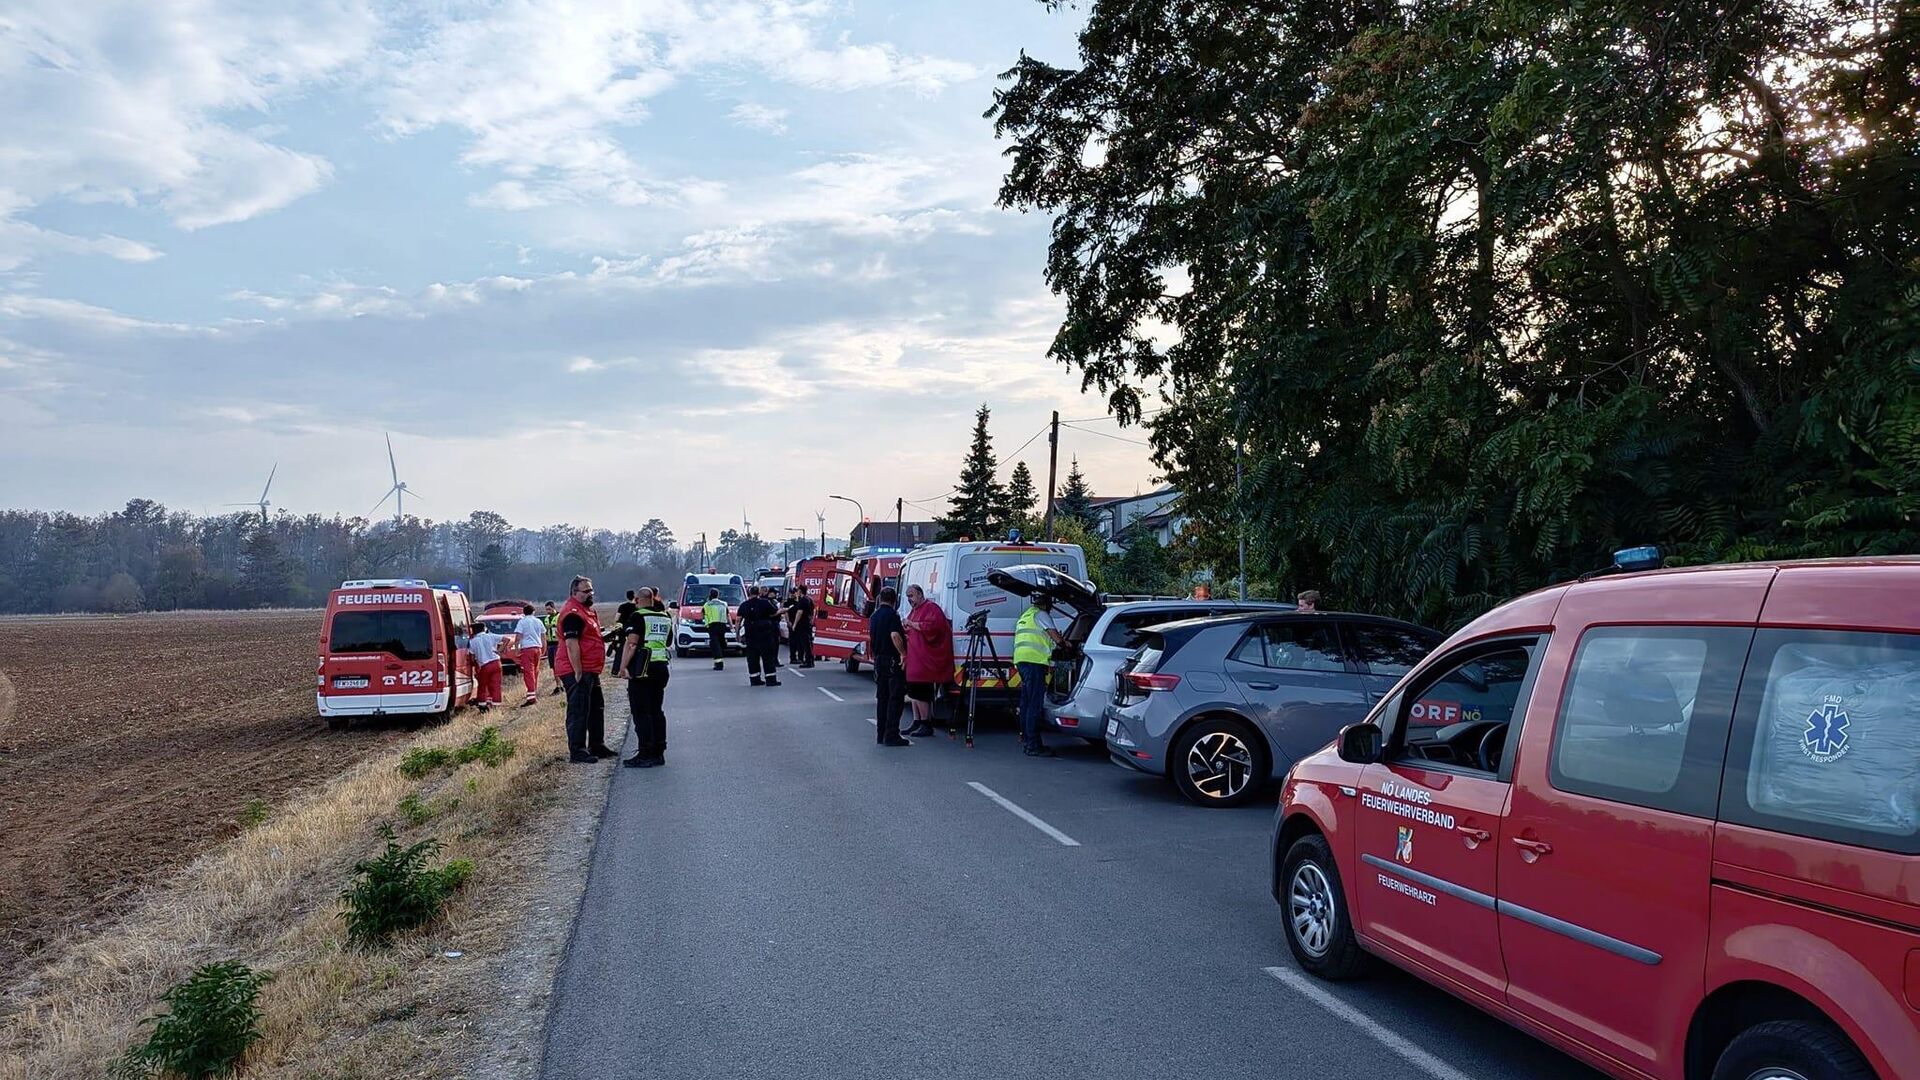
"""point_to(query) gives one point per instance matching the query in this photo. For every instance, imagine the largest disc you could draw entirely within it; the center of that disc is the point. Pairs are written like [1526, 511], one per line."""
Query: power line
[1104, 435]
[1110, 416]
[1024, 445]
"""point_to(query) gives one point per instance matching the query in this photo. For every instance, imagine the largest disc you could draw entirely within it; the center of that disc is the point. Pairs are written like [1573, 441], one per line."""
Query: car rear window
[1124, 630]
[406, 635]
[1387, 650]
[1826, 743]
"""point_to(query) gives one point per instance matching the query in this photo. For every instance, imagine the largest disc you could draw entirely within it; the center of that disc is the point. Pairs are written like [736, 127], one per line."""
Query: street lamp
[786, 548]
[856, 505]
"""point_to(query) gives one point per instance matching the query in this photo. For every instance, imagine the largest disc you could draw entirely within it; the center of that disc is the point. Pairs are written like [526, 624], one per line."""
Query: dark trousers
[646, 701]
[890, 697]
[717, 641]
[586, 710]
[799, 647]
[763, 657]
[1033, 702]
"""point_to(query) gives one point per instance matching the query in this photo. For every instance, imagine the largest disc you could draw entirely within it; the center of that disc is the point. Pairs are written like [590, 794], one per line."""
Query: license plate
[1113, 727]
[350, 682]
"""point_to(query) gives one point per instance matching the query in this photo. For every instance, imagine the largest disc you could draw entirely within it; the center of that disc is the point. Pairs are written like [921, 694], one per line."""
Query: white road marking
[1413, 1055]
[830, 694]
[796, 673]
[1013, 808]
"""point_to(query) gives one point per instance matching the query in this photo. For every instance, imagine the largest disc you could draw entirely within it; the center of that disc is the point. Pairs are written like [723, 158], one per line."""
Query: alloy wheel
[1310, 909]
[1775, 1072]
[1220, 765]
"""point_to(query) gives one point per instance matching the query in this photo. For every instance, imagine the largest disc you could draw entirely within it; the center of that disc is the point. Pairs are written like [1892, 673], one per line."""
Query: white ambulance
[954, 576]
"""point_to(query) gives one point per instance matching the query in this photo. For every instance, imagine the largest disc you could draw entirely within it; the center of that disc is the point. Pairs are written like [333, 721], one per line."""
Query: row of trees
[983, 507]
[1480, 291]
[145, 557]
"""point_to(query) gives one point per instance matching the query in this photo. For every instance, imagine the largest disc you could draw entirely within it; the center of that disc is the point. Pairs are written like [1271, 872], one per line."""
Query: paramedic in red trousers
[533, 645]
[578, 663]
[484, 646]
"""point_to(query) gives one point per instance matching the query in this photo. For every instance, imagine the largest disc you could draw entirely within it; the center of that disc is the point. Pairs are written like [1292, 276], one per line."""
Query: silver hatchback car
[1101, 642]
[1224, 706]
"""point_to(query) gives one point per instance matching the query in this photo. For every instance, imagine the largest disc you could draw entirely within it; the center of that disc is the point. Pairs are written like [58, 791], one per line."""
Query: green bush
[415, 811]
[254, 814]
[397, 891]
[422, 760]
[487, 748]
[212, 1018]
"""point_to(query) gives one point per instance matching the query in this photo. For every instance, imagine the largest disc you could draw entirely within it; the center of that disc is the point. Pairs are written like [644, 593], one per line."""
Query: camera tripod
[982, 661]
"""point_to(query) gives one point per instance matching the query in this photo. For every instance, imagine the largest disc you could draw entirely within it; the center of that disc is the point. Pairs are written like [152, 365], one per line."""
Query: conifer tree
[1020, 496]
[1075, 500]
[978, 505]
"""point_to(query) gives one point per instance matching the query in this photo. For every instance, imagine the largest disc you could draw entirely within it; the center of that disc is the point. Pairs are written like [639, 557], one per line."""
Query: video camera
[977, 622]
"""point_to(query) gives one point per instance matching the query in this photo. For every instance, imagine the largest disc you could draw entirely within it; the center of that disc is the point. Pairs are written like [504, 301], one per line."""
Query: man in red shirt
[580, 660]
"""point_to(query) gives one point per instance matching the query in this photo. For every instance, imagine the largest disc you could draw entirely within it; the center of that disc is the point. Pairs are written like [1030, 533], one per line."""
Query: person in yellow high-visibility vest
[1034, 637]
[713, 614]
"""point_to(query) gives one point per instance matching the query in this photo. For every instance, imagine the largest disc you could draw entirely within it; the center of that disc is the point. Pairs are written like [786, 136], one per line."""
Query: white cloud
[542, 86]
[130, 101]
[765, 118]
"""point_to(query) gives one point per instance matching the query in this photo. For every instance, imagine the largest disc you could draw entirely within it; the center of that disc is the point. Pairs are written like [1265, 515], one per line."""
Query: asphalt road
[787, 899]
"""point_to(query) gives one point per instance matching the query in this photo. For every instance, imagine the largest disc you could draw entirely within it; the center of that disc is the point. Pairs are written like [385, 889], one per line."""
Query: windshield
[695, 595]
[406, 635]
[977, 594]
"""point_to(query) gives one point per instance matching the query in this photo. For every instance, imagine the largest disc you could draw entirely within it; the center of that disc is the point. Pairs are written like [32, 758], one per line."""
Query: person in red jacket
[578, 663]
[929, 657]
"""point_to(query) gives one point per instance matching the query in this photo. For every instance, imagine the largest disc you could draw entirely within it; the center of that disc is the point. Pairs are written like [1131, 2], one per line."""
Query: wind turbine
[398, 492]
[262, 502]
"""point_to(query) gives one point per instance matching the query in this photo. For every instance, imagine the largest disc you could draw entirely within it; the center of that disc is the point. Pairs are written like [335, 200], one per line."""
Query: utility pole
[899, 524]
[1053, 467]
[1239, 500]
[821, 517]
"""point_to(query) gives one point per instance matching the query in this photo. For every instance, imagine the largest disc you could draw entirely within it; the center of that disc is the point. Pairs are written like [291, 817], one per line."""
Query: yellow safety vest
[658, 628]
[714, 611]
[1031, 645]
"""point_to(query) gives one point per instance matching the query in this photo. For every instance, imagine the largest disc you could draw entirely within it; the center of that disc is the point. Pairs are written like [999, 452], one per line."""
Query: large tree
[1484, 289]
[978, 505]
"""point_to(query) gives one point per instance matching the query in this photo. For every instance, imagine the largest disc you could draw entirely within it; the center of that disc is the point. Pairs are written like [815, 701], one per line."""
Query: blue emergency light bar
[451, 586]
[1646, 557]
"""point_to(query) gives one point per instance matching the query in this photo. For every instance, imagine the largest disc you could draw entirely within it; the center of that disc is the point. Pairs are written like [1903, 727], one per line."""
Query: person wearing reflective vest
[714, 615]
[550, 618]
[1033, 641]
[645, 657]
[581, 658]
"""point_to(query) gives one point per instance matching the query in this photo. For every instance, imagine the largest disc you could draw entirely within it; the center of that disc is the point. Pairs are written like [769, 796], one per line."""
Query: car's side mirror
[1360, 744]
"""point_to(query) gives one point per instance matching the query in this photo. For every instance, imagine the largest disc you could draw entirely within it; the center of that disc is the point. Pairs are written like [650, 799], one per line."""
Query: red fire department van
[1668, 822]
[393, 646]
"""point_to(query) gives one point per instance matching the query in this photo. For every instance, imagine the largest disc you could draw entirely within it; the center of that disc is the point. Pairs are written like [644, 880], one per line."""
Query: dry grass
[269, 898]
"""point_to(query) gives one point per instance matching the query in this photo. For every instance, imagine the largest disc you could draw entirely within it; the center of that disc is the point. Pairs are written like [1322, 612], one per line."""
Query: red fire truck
[843, 597]
[394, 646]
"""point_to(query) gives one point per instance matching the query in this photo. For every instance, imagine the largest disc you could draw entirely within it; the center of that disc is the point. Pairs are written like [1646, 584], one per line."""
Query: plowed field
[129, 745]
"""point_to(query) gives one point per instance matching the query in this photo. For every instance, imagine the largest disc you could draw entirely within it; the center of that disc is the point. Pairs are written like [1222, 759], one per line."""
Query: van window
[406, 634]
[1644, 719]
[1826, 743]
[1464, 715]
[1387, 650]
[1124, 630]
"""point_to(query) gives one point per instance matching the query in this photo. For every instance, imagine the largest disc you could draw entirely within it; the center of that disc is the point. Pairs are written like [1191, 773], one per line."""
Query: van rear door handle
[1474, 837]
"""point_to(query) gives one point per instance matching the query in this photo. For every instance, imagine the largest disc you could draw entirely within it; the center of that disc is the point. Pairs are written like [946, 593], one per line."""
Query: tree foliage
[978, 507]
[1076, 500]
[1487, 288]
[1020, 495]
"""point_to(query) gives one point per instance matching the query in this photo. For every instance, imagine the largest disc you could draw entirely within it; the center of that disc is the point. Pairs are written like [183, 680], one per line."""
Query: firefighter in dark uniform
[760, 632]
[648, 649]
[713, 614]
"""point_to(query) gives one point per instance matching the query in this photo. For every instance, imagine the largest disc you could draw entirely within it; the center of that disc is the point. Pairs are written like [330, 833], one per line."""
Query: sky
[592, 262]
